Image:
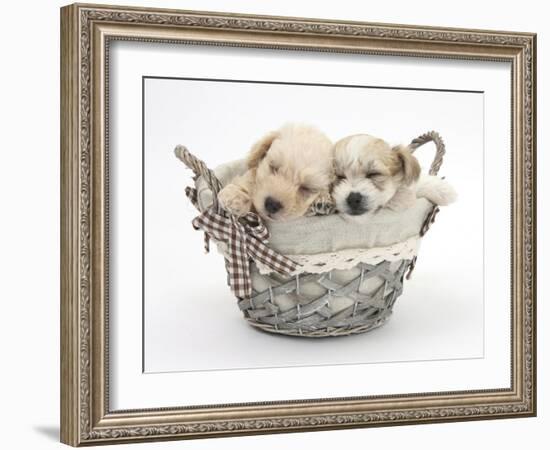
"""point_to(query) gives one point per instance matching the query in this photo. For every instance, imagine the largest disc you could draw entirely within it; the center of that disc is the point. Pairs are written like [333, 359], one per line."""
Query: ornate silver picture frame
[87, 32]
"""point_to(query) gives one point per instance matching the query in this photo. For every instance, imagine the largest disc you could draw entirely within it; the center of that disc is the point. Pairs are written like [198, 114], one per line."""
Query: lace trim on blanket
[346, 259]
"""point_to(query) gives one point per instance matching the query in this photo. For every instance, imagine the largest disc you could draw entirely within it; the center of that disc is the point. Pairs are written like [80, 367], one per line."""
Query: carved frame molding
[86, 31]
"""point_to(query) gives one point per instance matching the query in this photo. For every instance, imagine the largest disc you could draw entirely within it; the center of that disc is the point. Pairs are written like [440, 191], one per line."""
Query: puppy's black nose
[354, 200]
[272, 205]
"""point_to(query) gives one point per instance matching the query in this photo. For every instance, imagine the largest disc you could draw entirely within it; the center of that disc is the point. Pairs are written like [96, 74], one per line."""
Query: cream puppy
[288, 170]
[372, 175]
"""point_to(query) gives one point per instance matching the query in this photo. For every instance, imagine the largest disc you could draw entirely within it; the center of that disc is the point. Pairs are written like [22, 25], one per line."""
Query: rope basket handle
[200, 170]
[435, 137]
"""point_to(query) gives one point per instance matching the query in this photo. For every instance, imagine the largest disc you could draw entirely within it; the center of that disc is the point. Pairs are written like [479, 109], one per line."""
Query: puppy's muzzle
[357, 203]
[272, 206]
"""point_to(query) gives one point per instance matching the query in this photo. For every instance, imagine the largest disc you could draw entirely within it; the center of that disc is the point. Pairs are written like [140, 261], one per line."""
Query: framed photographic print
[367, 196]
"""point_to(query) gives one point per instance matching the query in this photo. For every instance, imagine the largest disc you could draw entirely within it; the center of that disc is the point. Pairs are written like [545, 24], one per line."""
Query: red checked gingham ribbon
[246, 239]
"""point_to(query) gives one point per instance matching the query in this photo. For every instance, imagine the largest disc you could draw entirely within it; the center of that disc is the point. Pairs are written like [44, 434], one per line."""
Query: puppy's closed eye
[340, 177]
[307, 190]
[273, 168]
[373, 174]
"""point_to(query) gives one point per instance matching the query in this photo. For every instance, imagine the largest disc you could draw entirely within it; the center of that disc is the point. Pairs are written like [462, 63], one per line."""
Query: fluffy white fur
[288, 170]
[436, 190]
[372, 175]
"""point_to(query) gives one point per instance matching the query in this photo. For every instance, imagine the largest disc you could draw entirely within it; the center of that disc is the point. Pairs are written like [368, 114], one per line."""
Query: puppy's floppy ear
[260, 149]
[409, 164]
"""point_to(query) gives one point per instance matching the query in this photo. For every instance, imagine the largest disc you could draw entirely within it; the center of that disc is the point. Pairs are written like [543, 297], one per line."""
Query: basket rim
[343, 259]
[333, 232]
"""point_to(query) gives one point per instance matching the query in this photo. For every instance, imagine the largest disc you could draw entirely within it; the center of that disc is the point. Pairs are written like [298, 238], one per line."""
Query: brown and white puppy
[288, 170]
[373, 175]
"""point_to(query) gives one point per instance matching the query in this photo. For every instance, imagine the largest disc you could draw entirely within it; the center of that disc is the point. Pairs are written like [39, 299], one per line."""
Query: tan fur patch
[409, 164]
[260, 149]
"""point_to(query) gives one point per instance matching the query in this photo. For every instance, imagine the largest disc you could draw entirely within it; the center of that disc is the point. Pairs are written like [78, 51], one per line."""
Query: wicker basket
[327, 301]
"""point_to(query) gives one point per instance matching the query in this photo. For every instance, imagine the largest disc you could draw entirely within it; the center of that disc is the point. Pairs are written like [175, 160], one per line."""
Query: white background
[191, 318]
[29, 174]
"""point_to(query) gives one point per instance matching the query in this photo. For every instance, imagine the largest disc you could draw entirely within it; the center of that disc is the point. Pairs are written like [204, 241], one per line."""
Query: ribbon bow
[246, 239]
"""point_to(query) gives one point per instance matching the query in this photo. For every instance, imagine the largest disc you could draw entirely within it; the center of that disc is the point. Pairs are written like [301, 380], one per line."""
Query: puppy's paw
[322, 205]
[436, 190]
[234, 200]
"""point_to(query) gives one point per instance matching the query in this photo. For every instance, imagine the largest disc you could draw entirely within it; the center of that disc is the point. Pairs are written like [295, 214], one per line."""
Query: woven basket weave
[326, 303]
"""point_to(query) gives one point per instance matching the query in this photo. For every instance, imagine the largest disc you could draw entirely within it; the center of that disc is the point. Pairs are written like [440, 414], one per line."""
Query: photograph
[277, 224]
[343, 265]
